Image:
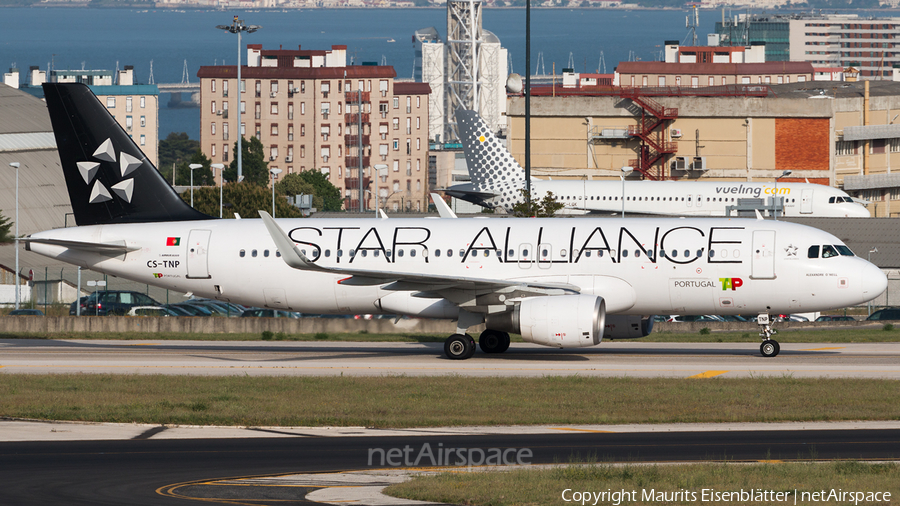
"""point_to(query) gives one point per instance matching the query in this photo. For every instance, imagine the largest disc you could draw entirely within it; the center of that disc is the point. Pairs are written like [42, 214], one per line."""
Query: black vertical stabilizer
[108, 177]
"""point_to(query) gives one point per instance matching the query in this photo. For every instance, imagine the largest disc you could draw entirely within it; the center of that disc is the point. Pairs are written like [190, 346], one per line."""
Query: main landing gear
[462, 346]
[769, 346]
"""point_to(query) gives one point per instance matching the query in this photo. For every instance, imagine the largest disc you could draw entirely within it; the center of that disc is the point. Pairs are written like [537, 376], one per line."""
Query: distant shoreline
[86, 5]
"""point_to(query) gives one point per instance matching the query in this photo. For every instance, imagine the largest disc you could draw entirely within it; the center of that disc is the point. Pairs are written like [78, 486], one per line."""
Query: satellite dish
[514, 83]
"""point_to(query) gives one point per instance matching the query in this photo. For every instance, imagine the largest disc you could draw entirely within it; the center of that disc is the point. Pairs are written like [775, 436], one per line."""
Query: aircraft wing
[442, 286]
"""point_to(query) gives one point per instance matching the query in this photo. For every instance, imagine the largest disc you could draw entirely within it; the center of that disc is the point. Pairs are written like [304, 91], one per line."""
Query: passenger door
[198, 254]
[763, 263]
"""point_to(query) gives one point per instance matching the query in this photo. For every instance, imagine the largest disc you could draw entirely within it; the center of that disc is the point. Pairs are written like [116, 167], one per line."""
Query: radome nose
[874, 281]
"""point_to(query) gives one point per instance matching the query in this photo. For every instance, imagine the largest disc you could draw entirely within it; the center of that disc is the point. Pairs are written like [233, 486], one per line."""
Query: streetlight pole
[15, 165]
[274, 173]
[237, 26]
[378, 168]
[221, 168]
[193, 166]
[869, 258]
[775, 196]
[625, 171]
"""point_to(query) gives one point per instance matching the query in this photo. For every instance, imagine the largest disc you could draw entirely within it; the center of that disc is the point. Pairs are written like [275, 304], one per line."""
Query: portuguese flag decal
[173, 241]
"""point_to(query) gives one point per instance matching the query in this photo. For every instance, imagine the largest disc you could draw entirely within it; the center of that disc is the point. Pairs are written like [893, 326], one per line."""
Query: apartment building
[314, 112]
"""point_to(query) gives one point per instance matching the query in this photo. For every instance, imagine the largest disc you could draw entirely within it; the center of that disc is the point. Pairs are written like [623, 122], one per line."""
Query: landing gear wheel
[459, 347]
[769, 348]
[493, 341]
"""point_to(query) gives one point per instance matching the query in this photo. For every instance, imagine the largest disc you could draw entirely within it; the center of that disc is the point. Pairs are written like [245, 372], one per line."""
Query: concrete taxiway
[609, 359]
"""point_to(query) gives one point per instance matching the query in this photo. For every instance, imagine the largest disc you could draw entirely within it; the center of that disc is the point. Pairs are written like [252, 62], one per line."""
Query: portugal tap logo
[733, 283]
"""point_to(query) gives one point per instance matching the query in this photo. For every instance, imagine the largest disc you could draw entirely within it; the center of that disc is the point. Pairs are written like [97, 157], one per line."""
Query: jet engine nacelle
[627, 326]
[563, 321]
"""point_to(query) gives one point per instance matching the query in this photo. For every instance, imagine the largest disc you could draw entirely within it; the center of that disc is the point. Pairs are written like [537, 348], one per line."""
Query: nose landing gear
[769, 346]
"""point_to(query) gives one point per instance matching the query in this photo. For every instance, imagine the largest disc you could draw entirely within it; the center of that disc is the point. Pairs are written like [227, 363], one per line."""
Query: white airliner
[558, 282]
[496, 181]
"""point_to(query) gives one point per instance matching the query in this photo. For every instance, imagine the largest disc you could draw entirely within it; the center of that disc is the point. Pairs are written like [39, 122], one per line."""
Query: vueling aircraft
[558, 282]
[497, 180]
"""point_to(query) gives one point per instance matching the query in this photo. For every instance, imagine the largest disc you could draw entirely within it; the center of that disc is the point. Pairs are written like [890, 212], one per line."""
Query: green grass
[397, 401]
[877, 334]
[525, 487]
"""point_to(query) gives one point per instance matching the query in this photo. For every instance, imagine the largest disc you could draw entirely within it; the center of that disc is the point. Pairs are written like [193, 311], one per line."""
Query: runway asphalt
[179, 471]
[617, 358]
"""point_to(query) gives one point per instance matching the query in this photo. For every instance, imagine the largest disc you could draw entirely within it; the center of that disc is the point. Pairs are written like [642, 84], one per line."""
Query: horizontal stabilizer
[103, 248]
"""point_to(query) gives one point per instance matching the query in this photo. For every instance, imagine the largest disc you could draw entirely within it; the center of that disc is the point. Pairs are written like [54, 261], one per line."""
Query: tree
[544, 208]
[292, 185]
[202, 176]
[5, 235]
[246, 199]
[174, 149]
[331, 195]
[254, 166]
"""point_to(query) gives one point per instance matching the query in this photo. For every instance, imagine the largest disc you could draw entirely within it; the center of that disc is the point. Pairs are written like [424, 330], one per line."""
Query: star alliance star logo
[791, 250]
[127, 164]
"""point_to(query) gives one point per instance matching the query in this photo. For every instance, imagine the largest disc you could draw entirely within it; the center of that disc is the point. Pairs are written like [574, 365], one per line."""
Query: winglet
[289, 251]
[442, 208]
[758, 215]
[383, 215]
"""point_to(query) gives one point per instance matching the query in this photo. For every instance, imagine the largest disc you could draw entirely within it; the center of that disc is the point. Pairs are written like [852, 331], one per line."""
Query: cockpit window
[843, 250]
[848, 199]
[831, 200]
[828, 251]
[813, 252]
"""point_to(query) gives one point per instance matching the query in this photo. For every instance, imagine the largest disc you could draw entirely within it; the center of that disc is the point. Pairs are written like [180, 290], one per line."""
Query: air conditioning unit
[678, 163]
[219, 112]
[699, 163]
[296, 90]
[273, 95]
[289, 159]
[272, 158]
[675, 133]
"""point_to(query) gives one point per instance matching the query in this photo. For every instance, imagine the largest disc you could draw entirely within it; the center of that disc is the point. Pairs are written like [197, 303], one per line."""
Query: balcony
[354, 97]
[350, 183]
[353, 118]
[352, 162]
[353, 140]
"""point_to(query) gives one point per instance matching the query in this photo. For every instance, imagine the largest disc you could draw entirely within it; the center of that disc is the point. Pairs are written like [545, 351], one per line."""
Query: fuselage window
[375, 253]
[462, 252]
[412, 252]
[843, 250]
[525, 253]
[266, 253]
[340, 253]
[449, 253]
[437, 252]
[562, 253]
[687, 253]
[674, 253]
[278, 254]
[487, 253]
[712, 253]
[662, 253]
[253, 253]
[637, 253]
[699, 253]
[364, 252]
[828, 251]
[499, 253]
[243, 253]
[301, 251]
[400, 252]
[327, 253]
[649, 253]
[724, 253]
[352, 253]
[387, 253]
[587, 253]
[511, 252]
[624, 253]
[736, 253]
[600, 253]
[544, 253]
